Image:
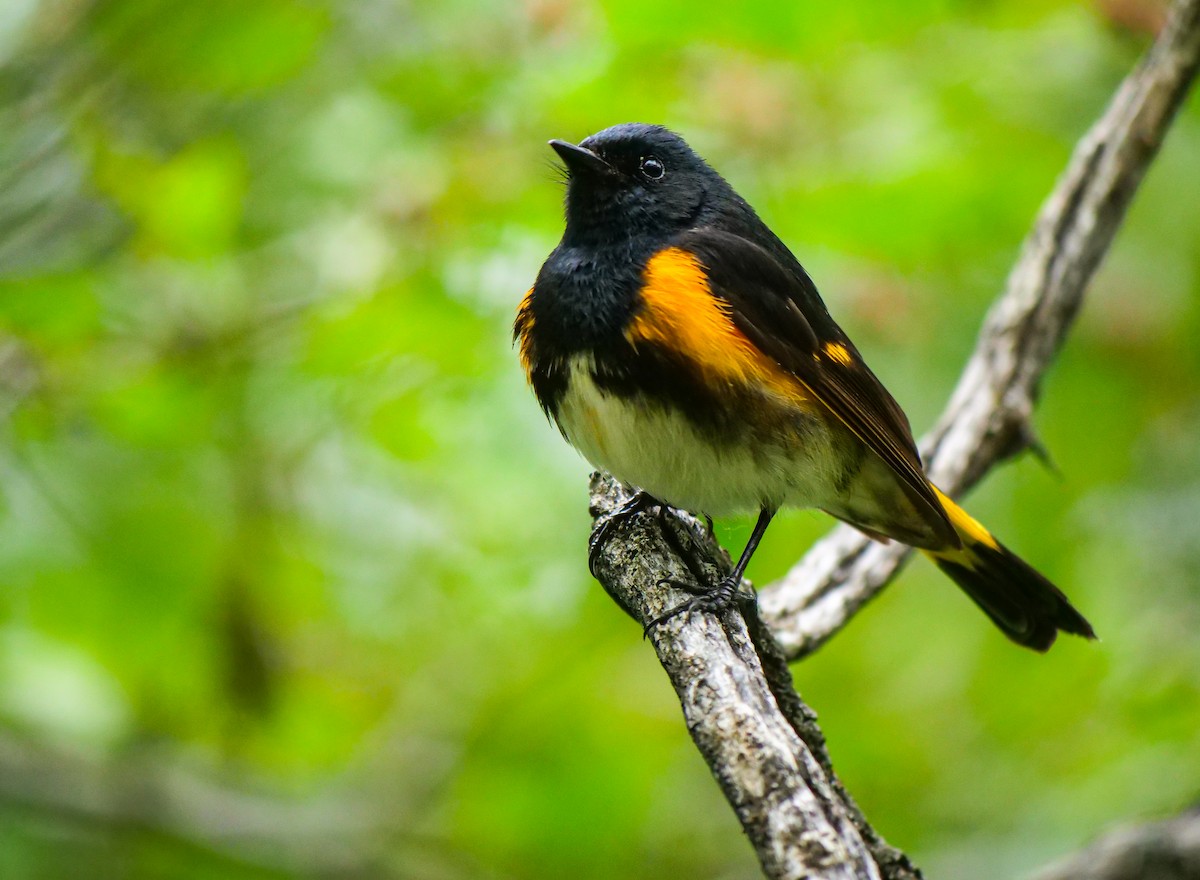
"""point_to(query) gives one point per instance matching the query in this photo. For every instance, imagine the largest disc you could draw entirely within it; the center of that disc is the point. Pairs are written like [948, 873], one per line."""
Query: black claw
[727, 591]
[686, 586]
[715, 600]
[608, 526]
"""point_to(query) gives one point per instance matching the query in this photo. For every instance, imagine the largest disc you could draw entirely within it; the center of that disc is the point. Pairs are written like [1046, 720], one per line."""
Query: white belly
[665, 454]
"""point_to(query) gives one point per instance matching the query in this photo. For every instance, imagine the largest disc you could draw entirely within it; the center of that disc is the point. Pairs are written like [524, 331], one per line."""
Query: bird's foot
[601, 535]
[716, 599]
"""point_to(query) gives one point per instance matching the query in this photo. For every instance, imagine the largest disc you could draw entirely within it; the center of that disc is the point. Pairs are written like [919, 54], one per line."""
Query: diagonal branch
[731, 676]
[760, 740]
[988, 417]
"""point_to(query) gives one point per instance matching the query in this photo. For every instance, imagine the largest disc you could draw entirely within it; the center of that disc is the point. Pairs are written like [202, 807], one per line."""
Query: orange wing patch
[679, 312]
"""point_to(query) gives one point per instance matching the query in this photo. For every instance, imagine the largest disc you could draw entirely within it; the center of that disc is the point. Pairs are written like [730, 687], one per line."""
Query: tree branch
[1166, 850]
[759, 738]
[988, 417]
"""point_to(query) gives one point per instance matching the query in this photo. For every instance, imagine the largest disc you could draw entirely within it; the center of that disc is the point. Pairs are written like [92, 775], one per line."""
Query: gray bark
[760, 740]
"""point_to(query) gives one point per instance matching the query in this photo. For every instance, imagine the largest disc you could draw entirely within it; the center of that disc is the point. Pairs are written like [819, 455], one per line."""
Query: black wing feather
[778, 309]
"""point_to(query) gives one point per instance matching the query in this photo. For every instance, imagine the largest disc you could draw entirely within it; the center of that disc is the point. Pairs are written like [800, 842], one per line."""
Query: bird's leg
[638, 502]
[721, 596]
[687, 554]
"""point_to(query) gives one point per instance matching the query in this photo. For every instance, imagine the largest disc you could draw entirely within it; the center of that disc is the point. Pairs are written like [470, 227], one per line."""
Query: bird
[679, 345]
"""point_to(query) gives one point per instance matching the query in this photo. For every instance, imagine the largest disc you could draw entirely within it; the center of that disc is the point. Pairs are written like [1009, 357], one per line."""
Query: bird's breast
[734, 461]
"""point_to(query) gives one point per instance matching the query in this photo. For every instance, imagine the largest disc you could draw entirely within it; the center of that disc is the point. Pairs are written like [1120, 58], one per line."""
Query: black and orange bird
[679, 345]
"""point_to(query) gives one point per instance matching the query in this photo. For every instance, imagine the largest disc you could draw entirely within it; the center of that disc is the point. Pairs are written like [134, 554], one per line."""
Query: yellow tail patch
[969, 529]
[1022, 602]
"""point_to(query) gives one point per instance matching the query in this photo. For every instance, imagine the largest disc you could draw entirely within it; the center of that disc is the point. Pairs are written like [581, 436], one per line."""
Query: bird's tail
[1027, 607]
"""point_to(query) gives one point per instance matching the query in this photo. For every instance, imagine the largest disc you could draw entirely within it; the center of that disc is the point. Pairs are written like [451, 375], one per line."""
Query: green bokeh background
[292, 577]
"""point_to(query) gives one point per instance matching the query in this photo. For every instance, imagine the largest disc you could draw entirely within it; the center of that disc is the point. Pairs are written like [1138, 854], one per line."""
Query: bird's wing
[777, 308]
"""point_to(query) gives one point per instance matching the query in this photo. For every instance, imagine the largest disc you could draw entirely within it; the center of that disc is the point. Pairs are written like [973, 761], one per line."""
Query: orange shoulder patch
[679, 312]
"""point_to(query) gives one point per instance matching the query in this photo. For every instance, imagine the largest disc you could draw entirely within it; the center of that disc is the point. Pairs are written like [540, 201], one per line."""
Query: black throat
[585, 295]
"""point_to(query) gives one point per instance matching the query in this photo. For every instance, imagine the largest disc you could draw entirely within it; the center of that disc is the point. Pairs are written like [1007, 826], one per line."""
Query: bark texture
[760, 740]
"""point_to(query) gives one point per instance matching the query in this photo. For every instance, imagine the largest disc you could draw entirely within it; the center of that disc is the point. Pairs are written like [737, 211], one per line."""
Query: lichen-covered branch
[988, 417]
[758, 737]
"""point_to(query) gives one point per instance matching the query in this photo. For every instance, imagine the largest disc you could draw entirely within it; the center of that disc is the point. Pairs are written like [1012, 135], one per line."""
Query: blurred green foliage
[292, 575]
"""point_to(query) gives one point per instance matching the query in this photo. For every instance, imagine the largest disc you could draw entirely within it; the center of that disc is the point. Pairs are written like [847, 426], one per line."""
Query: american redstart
[679, 345]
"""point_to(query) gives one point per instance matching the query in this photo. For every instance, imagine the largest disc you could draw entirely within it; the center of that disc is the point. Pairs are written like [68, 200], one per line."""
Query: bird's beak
[580, 159]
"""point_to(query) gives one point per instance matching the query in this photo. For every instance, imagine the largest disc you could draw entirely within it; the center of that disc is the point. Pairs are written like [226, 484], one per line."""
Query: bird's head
[634, 180]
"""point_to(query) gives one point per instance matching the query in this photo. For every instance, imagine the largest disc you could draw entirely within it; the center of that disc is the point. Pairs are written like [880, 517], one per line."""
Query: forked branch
[988, 417]
[760, 740]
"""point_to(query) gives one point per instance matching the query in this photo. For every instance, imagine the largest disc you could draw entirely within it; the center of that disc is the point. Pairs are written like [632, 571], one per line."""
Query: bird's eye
[652, 168]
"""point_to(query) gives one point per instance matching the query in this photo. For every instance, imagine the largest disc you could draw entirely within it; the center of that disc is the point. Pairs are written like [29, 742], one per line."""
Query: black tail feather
[1024, 604]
